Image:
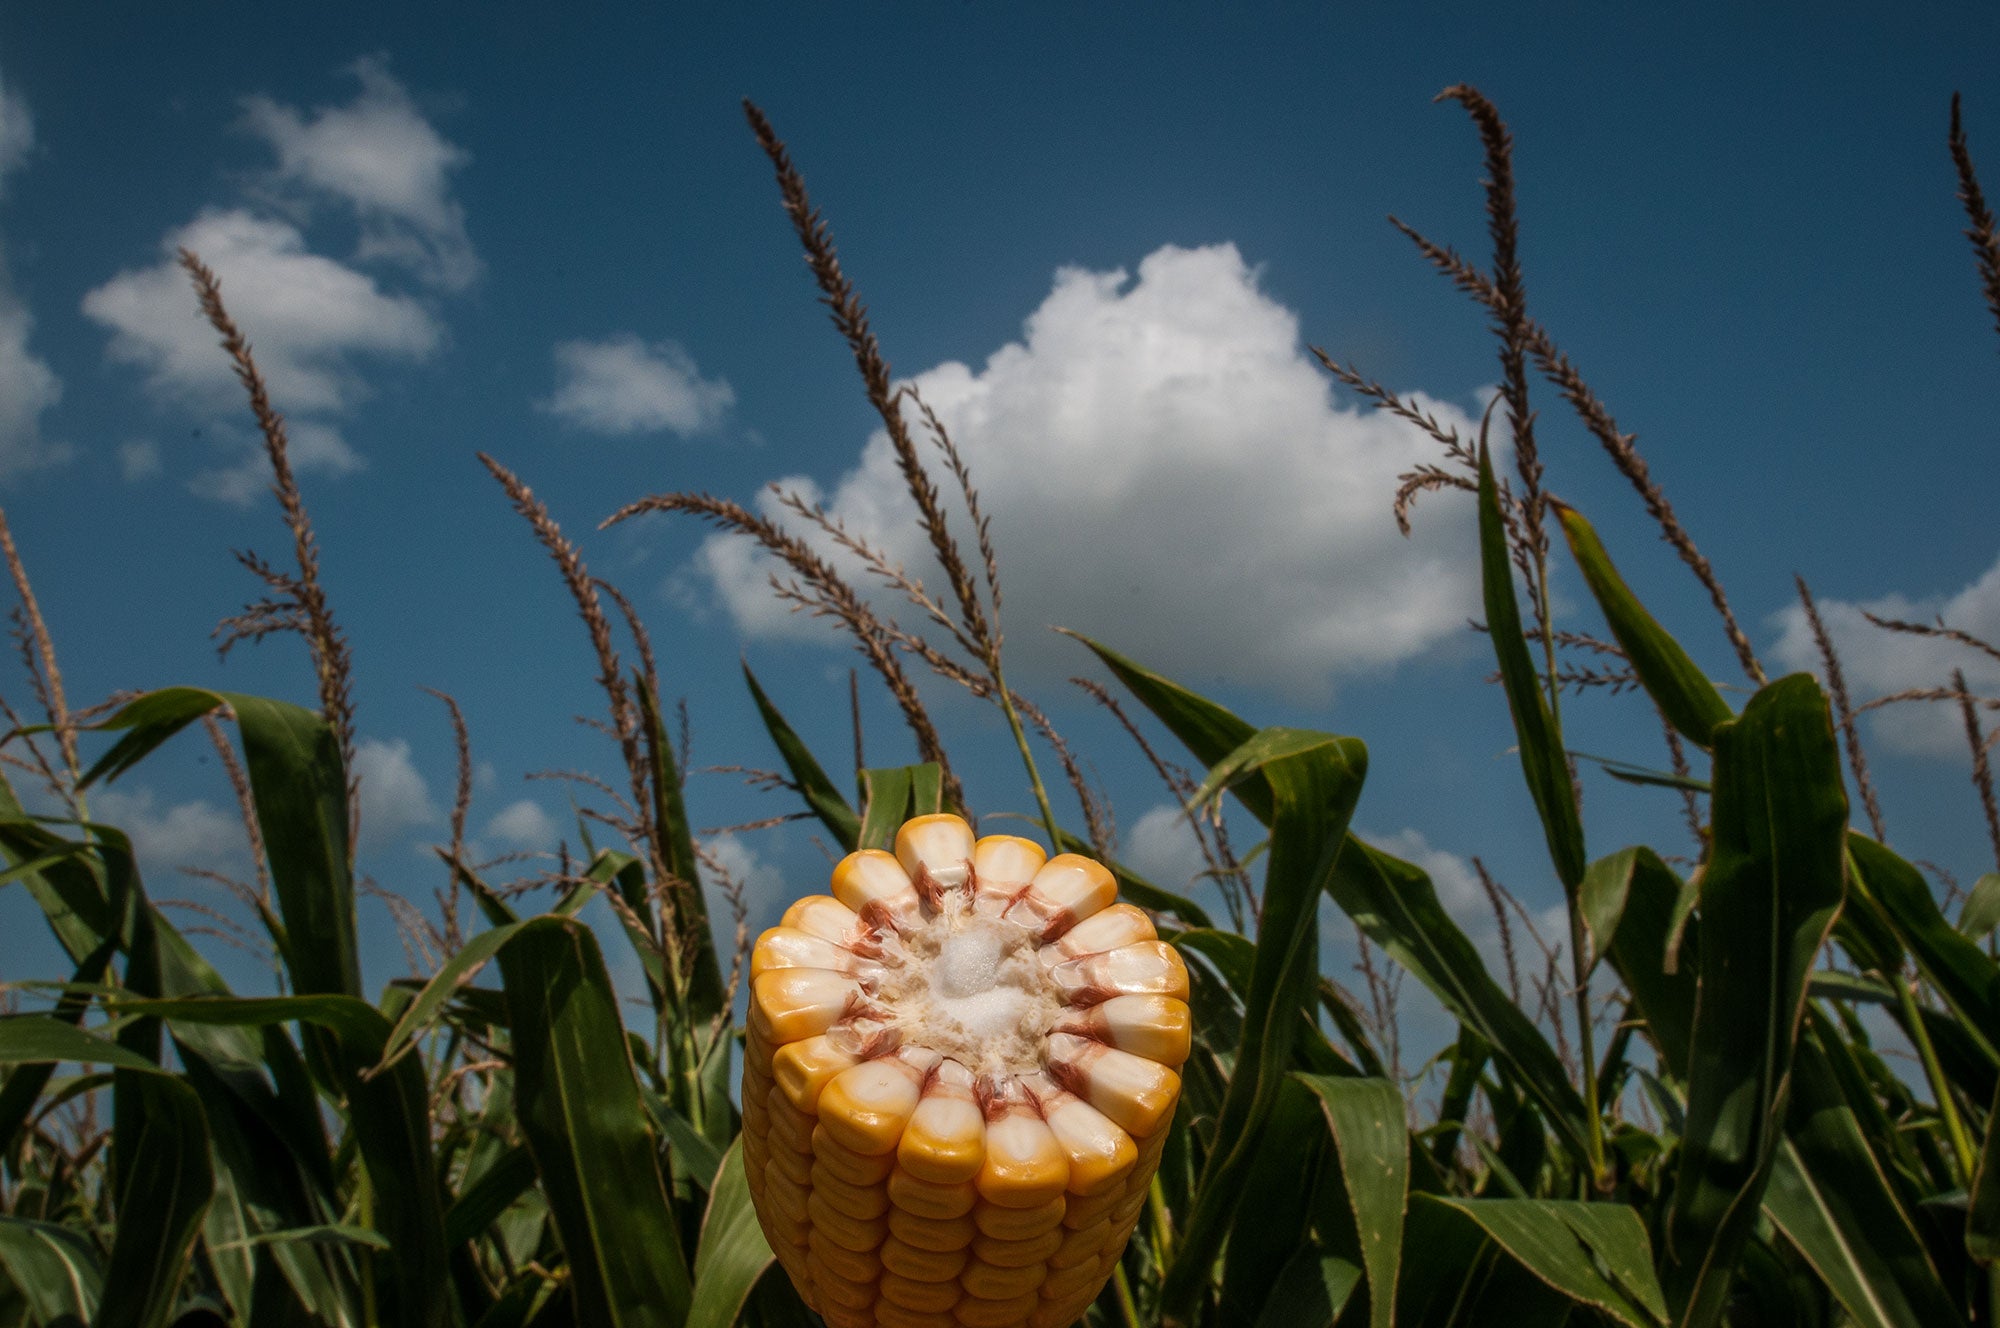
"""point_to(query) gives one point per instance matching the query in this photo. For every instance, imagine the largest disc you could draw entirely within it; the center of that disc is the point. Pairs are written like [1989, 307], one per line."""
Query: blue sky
[1101, 241]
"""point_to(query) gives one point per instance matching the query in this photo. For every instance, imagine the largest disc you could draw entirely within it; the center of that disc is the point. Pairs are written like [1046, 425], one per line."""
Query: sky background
[1101, 241]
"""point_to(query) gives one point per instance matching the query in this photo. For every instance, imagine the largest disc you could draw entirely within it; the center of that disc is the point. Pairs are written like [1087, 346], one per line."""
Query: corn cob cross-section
[959, 1075]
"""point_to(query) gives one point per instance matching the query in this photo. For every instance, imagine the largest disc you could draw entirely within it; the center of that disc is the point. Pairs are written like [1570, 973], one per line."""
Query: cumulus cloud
[28, 386]
[382, 158]
[1876, 663]
[139, 459]
[1161, 847]
[763, 886]
[318, 323]
[394, 796]
[523, 825]
[17, 134]
[623, 386]
[186, 834]
[1166, 469]
[309, 316]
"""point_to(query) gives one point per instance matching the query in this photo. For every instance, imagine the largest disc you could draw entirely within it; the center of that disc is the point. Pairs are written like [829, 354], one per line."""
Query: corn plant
[1726, 1145]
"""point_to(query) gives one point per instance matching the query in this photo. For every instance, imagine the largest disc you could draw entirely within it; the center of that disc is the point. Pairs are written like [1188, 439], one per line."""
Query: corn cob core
[958, 1078]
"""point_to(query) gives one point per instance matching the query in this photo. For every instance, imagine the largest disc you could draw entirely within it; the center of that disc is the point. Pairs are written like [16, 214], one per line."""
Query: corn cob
[959, 1073]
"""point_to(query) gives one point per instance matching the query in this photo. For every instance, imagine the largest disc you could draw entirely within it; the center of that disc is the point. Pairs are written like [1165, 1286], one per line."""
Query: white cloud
[623, 386]
[1464, 899]
[186, 834]
[28, 386]
[1166, 470]
[523, 825]
[17, 134]
[1161, 847]
[1876, 662]
[139, 459]
[394, 796]
[312, 446]
[306, 315]
[381, 157]
[763, 885]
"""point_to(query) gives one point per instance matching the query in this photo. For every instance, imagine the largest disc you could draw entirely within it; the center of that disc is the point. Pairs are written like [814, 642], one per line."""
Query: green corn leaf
[578, 1101]
[693, 1150]
[1468, 1057]
[1456, 1276]
[1205, 728]
[1372, 1150]
[389, 1117]
[63, 877]
[1136, 888]
[262, 1186]
[676, 835]
[1682, 692]
[1234, 955]
[55, 1271]
[165, 1182]
[492, 1193]
[1540, 740]
[1829, 1195]
[1594, 1254]
[299, 785]
[1311, 1290]
[1394, 903]
[894, 795]
[820, 793]
[44, 1039]
[1629, 901]
[1981, 912]
[1315, 779]
[1769, 896]
[1982, 1218]
[1884, 884]
[1262, 1234]
[733, 1253]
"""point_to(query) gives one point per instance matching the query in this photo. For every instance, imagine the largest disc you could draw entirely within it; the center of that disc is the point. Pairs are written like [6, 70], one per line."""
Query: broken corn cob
[959, 1074]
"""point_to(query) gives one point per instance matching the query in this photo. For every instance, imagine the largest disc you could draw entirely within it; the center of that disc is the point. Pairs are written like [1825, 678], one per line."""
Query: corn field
[1169, 1118]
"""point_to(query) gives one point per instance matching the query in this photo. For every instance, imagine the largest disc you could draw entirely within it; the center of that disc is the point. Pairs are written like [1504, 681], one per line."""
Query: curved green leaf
[1828, 1195]
[1962, 973]
[1769, 897]
[1394, 903]
[54, 1269]
[676, 837]
[43, 1039]
[1315, 780]
[1981, 911]
[733, 1253]
[1372, 1145]
[1205, 728]
[1543, 764]
[165, 1182]
[1629, 900]
[1682, 691]
[1595, 1254]
[389, 1117]
[820, 793]
[578, 1103]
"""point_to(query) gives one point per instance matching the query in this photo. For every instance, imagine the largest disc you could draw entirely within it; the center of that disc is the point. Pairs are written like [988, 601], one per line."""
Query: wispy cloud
[394, 795]
[28, 386]
[1159, 441]
[318, 323]
[623, 386]
[1877, 662]
[382, 158]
